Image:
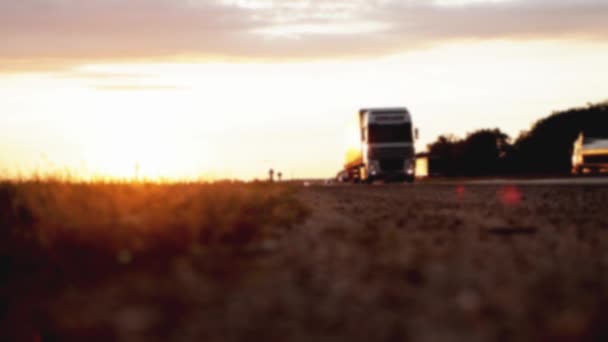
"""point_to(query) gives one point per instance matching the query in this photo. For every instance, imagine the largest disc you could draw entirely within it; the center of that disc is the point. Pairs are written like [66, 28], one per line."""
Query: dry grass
[107, 262]
[56, 237]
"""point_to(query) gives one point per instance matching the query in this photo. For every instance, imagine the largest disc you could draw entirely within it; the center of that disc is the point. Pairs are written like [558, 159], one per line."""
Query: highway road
[476, 260]
[543, 181]
[496, 181]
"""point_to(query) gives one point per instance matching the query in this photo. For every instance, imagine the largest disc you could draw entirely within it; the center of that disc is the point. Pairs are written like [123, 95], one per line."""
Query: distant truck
[590, 155]
[380, 147]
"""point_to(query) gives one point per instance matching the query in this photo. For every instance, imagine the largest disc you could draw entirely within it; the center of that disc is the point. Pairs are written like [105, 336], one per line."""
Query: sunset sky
[230, 88]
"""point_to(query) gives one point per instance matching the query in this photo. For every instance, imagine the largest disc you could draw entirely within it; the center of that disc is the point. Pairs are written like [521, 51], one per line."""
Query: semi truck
[590, 155]
[380, 146]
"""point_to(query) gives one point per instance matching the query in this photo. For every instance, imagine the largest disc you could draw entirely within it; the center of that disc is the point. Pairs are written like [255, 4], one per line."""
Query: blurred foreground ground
[256, 263]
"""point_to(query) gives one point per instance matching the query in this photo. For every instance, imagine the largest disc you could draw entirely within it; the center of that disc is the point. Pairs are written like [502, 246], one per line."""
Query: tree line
[544, 149]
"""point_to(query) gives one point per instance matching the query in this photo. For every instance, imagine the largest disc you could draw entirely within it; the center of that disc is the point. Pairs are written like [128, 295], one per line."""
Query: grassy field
[238, 262]
[62, 243]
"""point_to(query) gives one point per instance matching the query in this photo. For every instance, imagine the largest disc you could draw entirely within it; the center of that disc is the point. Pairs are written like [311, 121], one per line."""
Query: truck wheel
[353, 177]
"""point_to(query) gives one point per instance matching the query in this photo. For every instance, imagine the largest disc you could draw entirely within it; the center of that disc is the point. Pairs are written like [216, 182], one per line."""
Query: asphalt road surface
[499, 260]
[545, 181]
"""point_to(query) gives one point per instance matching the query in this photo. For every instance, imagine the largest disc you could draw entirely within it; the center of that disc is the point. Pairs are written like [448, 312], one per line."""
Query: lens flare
[460, 191]
[510, 195]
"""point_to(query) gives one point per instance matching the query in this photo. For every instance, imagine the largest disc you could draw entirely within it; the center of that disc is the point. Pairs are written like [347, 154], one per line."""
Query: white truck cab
[590, 155]
[386, 146]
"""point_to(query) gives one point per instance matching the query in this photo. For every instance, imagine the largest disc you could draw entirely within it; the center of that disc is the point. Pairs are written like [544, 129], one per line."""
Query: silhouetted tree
[444, 155]
[481, 153]
[547, 147]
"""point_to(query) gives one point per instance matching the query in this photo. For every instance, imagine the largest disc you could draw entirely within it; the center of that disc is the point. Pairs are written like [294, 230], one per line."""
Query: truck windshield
[390, 133]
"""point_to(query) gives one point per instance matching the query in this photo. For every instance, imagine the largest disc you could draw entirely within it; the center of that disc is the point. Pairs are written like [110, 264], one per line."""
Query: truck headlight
[409, 167]
[374, 167]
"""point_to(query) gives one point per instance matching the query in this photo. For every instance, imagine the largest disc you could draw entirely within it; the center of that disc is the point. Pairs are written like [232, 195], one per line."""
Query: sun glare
[202, 119]
[150, 148]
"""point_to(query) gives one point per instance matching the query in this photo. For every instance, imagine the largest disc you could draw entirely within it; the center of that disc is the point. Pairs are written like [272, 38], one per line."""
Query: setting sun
[149, 149]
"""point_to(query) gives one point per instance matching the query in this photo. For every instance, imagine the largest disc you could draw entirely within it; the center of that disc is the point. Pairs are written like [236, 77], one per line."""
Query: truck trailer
[381, 146]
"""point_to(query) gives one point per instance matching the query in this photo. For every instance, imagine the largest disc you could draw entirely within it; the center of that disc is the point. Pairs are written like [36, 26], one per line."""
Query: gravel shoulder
[470, 263]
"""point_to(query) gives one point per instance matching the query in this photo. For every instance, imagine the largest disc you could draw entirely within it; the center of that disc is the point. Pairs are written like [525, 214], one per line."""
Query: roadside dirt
[461, 263]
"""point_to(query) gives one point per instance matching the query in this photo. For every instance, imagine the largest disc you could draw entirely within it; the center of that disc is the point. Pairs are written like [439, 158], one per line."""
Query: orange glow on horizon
[172, 120]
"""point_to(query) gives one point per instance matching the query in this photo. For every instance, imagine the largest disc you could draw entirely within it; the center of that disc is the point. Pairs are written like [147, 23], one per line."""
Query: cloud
[149, 87]
[44, 33]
